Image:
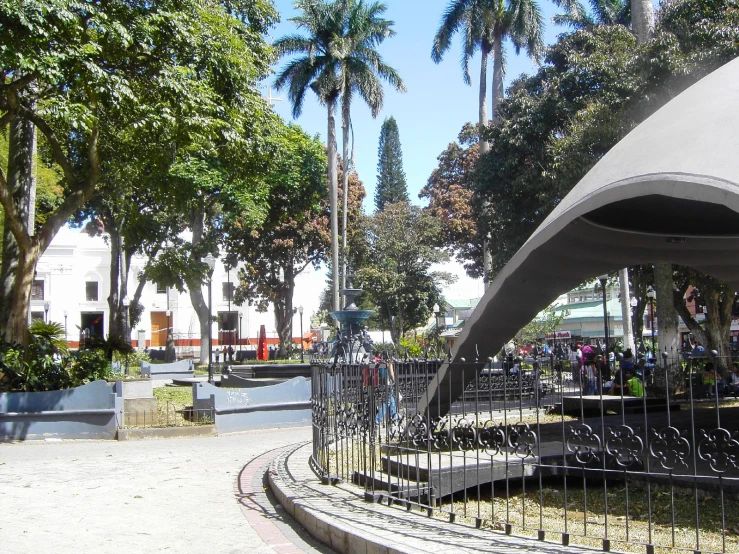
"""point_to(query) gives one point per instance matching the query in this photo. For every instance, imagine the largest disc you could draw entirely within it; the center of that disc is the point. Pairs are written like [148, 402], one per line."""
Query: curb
[340, 517]
[341, 537]
[167, 432]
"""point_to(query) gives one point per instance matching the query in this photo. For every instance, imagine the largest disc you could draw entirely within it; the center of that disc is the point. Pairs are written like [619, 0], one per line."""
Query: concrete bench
[176, 370]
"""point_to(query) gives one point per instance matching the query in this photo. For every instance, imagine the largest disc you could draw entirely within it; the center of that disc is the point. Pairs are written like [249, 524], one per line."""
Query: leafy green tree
[396, 274]
[449, 191]
[543, 324]
[594, 87]
[100, 69]
[391, 185]
[293, 236]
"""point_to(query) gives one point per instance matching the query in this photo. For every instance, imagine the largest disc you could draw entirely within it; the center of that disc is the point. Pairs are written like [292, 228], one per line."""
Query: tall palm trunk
[642, 20]
[623, 281]
[497, 72]
[345, 121]
[483, 98]
[487, 247]
[333, 186]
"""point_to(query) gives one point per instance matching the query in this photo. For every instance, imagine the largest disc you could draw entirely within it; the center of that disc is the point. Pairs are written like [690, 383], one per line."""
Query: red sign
[558, 335]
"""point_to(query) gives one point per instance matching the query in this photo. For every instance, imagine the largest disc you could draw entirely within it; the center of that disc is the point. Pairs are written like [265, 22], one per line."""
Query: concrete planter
[91, 411]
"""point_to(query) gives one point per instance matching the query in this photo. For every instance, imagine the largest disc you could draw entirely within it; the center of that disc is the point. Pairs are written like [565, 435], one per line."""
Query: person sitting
[634, 384]
[709, 379]
[734, 379]
[619, 385]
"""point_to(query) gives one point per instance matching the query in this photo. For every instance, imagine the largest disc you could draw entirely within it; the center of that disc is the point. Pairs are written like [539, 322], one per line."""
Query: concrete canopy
[667, 192]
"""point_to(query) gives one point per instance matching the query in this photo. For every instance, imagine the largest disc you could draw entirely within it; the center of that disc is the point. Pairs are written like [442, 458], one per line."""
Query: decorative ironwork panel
[720, 449]
[583, 443]
[624, 445]
[669, 447]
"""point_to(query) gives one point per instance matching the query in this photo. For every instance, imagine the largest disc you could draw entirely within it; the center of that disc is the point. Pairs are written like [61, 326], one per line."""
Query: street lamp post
[651, 294]
[211, 261]
[66, 313]
[126, 303]
[603, 279]
[47, 305]
[302, 346]
[437, 314]
[241, 341]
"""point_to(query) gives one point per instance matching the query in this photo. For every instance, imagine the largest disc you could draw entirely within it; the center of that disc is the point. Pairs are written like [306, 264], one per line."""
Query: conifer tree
[391, 186]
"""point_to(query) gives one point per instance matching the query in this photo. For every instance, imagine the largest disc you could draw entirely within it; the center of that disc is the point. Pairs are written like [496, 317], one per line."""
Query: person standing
[386, 376]
[590, 378]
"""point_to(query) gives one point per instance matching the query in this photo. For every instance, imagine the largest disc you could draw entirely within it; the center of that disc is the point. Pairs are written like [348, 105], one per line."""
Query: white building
[72, 282]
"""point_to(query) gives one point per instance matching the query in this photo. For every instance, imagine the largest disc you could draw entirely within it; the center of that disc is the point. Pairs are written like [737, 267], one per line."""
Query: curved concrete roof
[669, 191]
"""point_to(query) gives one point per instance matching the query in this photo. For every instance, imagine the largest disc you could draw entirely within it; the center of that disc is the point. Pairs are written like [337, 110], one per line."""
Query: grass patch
[177, 397]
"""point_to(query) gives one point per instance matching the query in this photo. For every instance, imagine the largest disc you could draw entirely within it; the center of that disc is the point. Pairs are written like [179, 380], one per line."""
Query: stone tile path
[177, 495]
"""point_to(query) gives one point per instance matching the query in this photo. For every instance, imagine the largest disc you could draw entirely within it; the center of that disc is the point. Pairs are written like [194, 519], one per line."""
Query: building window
[228, 292]
[37, 315]
[161, 289]
[91, 291]
[37, 289]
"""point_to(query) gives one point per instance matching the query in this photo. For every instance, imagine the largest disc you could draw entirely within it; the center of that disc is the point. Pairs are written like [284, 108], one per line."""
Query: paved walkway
[206, 495]
[177, 495]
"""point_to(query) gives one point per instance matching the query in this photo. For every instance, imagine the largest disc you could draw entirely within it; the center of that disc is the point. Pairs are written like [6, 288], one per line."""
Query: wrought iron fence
[530, 452]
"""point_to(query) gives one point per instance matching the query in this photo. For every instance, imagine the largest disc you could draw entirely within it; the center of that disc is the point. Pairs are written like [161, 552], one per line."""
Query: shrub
[47, 364]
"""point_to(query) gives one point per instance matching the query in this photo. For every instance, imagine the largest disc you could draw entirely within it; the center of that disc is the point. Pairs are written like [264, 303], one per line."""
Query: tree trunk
[642, 20]
[17, 329]
[195, 288]
[21, 182]
[498, 92]
[345, 120]
[115, 325]
[715, 333]
[623, 280]
[668, 320]
[487, 247]
[30, 244]
[284, 313]
[333, 186]
[719, 302]
[483, 96]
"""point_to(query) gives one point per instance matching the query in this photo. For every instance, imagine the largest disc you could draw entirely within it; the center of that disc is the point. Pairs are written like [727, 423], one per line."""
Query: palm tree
[602, 12]
[484, 24]
[317, 68]
[361, 69]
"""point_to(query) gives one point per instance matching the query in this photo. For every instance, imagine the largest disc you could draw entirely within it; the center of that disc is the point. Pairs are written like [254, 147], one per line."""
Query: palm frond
[454, 14]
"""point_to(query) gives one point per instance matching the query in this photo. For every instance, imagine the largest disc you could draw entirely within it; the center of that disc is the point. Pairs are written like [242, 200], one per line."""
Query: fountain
[352, 344]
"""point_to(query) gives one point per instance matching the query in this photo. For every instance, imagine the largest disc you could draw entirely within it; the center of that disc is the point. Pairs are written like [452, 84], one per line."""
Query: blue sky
[432, 111]
[429, 115]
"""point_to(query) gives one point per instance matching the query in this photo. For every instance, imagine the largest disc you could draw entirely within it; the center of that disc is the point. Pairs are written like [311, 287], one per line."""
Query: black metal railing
[529, 452]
